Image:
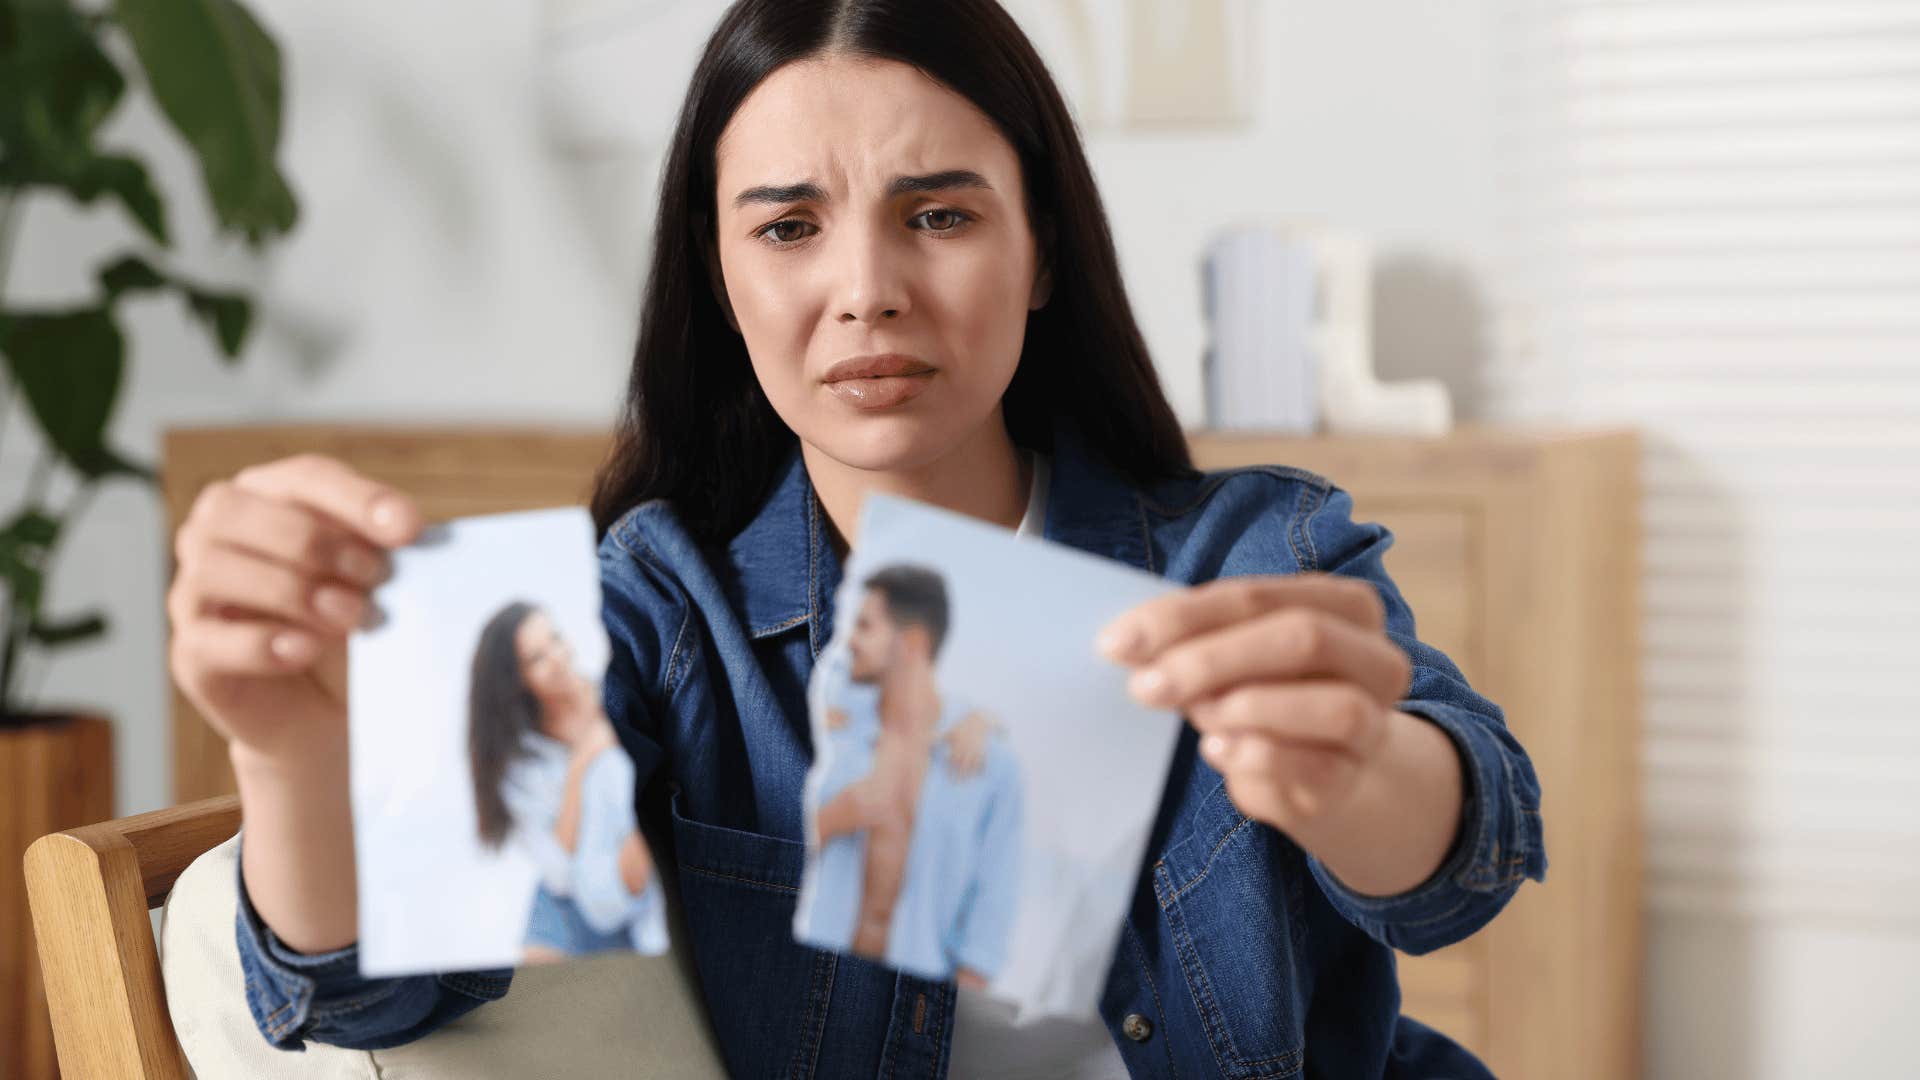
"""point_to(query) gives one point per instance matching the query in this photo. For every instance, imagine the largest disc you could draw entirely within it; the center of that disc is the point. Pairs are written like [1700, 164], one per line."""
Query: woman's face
[546, 661]
[866, 211]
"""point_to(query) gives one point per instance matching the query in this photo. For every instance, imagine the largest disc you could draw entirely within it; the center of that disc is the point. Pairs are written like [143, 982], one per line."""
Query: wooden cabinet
[1519, 554]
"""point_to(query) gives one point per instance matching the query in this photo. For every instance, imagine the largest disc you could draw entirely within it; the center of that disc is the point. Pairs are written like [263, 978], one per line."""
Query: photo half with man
[983, 785]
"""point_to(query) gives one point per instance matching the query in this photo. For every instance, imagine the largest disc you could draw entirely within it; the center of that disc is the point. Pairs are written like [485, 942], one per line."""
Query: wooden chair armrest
[90, 890]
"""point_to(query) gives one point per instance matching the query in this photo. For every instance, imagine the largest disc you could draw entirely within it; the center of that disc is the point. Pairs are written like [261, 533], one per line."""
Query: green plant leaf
[130, 273]
[127, 180]
[227, 314]
[216, 74]
[68, 366]
[56, 86]
[31, 528]
[104, 461]
[53, 634]
[24, 584]
[24, 544]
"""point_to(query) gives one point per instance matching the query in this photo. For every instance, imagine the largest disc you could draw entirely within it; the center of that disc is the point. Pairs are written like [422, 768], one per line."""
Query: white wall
[1424, 124]
[1713, 234]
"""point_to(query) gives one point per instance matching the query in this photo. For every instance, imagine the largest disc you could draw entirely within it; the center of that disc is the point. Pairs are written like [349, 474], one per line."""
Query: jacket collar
[784, 571]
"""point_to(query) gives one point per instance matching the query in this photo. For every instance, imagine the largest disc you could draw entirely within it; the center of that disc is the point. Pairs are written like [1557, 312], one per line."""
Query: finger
[1277, 782]
[1333, 715]
[261, 587]
[1145, 631]
[1292, 643]
[226, 513]
[236, 647]
[379, 513]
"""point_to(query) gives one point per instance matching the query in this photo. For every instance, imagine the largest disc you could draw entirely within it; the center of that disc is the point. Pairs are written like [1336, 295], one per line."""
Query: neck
[909, 704]
[566, 708]
[985, 477]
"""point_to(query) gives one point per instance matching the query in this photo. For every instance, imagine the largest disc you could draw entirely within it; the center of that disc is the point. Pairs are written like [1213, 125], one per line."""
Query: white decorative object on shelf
[1290, 332]
[1259, 367]
[1352, 400]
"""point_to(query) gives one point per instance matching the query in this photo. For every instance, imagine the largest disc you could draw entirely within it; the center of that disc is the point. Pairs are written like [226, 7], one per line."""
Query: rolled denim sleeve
[297, 996]
[1500, 842]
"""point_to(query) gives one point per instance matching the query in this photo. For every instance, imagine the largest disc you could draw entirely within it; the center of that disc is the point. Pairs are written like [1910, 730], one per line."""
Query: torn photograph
[493, 809]
[983, 785]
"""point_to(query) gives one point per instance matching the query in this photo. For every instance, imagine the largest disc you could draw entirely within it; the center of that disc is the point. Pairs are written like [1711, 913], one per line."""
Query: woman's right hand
[273, 570]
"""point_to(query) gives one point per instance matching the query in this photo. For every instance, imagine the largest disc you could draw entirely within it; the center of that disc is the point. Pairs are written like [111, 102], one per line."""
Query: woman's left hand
[1291, 681]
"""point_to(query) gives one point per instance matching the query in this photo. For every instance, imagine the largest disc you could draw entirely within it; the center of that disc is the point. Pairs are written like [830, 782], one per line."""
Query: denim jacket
[1242, 956]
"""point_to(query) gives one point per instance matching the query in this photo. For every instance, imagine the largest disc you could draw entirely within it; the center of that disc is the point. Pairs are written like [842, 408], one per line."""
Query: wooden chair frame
[91, 890]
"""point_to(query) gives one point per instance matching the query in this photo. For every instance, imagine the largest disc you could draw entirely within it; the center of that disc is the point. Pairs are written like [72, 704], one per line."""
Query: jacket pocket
[1231, 896]
[766, 995]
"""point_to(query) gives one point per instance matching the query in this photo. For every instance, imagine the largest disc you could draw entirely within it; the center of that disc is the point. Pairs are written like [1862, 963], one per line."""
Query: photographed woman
[548, 773]
[881, 264]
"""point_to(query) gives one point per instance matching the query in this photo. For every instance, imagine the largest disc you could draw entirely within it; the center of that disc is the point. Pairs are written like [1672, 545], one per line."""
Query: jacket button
[1137, 1027]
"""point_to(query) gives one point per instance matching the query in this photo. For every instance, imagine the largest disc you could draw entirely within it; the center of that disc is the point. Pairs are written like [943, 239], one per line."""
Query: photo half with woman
[493, 802]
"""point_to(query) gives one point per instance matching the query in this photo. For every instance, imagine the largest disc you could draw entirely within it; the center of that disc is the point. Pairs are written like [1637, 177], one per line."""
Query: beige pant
[618, 1015]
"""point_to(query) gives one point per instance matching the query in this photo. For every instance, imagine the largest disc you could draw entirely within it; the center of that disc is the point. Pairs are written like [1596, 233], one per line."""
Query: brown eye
[789, 231]
[942, 220]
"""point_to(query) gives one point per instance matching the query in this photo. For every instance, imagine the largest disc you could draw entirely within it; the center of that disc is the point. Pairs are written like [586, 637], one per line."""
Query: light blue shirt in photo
[961, 887]
[589, 877]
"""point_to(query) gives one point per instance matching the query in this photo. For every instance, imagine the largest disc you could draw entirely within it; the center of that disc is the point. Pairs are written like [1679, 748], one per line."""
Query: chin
[892, 442]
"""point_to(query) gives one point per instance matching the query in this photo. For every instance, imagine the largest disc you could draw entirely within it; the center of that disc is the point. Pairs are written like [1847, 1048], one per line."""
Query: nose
[873, 288]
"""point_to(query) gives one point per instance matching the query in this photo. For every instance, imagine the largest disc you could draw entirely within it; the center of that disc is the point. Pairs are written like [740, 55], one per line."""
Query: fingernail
[1151, 686]
[373, 618]
[292, 648]
[1213, 747]
[337, 605]
[385, 514]
[359, 566]
[1118, 641]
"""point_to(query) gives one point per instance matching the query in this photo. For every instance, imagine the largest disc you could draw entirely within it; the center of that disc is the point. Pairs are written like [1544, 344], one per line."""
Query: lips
[876, 382]
[879, 366]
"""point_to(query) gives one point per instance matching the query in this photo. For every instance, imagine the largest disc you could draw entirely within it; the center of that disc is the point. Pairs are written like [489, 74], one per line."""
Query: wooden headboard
[453, 472]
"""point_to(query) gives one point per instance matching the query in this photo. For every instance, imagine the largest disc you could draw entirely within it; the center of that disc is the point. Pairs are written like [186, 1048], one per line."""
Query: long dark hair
[501, 708]
[698, 430]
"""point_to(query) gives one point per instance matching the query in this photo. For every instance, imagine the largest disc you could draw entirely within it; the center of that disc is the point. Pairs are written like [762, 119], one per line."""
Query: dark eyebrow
[805, 191]
[940, 181]
[808, 191]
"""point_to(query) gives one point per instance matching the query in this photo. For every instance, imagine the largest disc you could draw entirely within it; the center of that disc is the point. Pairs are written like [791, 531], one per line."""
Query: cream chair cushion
[617, 1015]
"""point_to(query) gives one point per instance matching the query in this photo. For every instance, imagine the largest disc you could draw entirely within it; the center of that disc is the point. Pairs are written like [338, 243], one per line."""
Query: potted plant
[215, 75]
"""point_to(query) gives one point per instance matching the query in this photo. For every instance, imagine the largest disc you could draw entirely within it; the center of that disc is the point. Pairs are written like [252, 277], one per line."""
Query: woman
[881, 264]
[548, 773]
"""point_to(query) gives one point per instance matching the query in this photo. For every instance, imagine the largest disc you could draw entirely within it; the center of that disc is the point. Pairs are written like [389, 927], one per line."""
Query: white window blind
[1712, 232]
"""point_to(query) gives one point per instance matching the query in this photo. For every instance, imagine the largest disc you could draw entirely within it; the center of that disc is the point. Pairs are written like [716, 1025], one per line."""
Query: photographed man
[917, 799]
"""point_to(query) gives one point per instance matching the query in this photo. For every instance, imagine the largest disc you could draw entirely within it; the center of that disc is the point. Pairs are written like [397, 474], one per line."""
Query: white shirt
[986, 1042]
